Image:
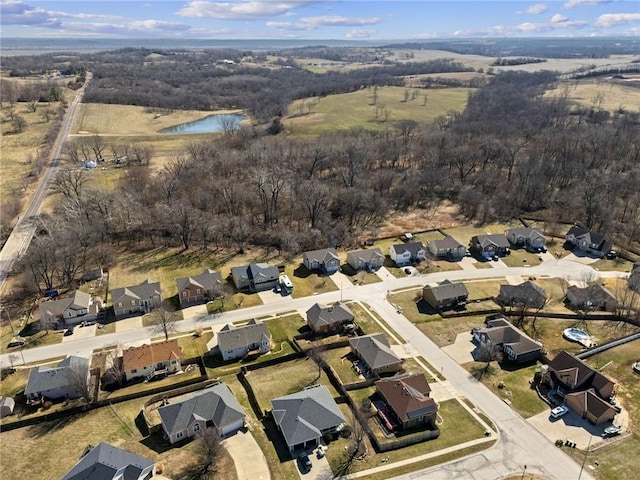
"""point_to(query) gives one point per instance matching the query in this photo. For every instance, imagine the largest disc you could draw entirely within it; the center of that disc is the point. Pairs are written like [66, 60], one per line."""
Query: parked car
[304, 463]
[611, 255]
[320, 452]
[559, 411]
[611, 430]
[636, 367]
[68, 331]
[495, 258]
[407, 271]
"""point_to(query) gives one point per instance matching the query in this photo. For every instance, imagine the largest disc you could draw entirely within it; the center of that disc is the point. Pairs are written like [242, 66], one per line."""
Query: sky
[318, 19]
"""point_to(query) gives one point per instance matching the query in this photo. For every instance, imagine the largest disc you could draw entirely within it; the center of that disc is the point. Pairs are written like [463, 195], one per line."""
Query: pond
[210, 124]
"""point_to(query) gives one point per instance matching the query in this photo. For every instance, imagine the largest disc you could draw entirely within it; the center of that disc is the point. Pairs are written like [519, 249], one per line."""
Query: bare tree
[206, 452]
[163, 321]
[69, 182]
[486, 352]
[356, 447]
[79, 381]
[318, 353]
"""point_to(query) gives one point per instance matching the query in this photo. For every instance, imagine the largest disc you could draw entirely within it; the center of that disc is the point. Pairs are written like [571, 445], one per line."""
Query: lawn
[555, 289]
[144, 386]
[193, 346]
[370, 322]
[484, 288]
[618, 265]
[306, 283]
[415, 312]
[14, 383]
[464, 234]
[357, 109]
[289, 377]
[340, 360]
[521, 258]
[611, 94]
[286, 327]
[444, 332]
[361, 277]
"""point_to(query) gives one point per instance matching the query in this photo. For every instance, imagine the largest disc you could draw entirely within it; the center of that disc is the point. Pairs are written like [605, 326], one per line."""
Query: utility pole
[585, 457]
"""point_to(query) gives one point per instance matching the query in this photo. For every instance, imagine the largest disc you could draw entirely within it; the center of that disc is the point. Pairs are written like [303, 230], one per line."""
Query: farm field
[356, 109]
[605, 93]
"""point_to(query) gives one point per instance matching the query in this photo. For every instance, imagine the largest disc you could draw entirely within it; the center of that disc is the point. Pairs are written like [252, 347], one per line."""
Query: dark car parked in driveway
[304, 463]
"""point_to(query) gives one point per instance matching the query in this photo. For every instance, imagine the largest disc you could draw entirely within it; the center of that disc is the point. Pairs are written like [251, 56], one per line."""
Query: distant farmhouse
[136, 299]
[200, 288]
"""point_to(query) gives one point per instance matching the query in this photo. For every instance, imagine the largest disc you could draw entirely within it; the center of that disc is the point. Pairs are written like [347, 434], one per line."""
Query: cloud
[612, 19]
[426, 36]
[360, 33]
[240, 10]
[535, 9]
[21, 13]
[313, 23]
[557, 18]
[578, 3]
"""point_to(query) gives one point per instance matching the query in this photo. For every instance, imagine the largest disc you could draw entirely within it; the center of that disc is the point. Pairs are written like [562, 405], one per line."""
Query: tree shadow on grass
[302, 272]
[157, 443]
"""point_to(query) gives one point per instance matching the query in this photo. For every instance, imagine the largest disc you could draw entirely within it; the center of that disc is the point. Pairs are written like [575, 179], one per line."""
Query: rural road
[22, 233]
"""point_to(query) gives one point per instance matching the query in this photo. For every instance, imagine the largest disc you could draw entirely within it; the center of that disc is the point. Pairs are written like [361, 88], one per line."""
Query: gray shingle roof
[501, 332]
[207, 280]
[366, 255]
[497, 239]
[321, 315]
[527, 293]
[593, 238]
[374, 349]
[525, 232]
[231, 337]
[43, 378]
[146, 289]
[254, 273]
[447, 290]
[76, 301]
[104, 460]
[413, 248]
[302, 416]
[448, 243]
[216, 404]
[595, 295]
[321, 256]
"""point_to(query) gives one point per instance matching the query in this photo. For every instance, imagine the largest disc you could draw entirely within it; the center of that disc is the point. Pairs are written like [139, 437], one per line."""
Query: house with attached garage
[407, 253]
[516, 346]
[489, 245]
[591, 298]
[407, 397]
[585, 391]
[200, 288]
[589, 242]
[239, 341]
[214, 407]
[448, 248]
[306, 416]
[374, 350]
[69, 379]
[325, 260]
[72, 310]
[324, 319]
[136, 299]
[154, 359]
[106, 462]
[371, 259]
[446, 295]
[255, 277]
[526, 294]
[530, 238]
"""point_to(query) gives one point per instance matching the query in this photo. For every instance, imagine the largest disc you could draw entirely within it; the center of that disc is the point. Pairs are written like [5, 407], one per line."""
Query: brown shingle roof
[145, 355]
[407, 395]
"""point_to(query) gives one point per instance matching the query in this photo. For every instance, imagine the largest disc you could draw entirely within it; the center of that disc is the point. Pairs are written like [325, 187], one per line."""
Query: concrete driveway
[384, 274]
[568, 427]
[126, 324]
[80, 332]
[320, 470]
[461, 349]
[342, 281]
[269, 297]
[248, 458]
[581, 258]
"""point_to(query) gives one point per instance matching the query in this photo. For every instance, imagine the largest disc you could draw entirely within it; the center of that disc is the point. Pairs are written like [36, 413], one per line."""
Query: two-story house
[136, 299]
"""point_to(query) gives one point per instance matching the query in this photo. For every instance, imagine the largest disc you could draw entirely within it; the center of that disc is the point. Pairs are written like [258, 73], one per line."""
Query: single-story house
[569, 375]
[408, 398]
[370, 259]
[106, 462]
[153, 359]
[447, 248]
[489, 245]
[526, 294]
[407, 253]
[516, 346]
[236, 342]
[591, 298]
[305, 417]
[7, 404]
[199, 288]
[72, 310]
[214, 407]
[530, 238]
[592, 243]
[374, 350]
[328, 319]
[136, 299]
[446, 295]
[255, 277]
[634, 278]
[62, 381]
[91, 275]
[325, 260]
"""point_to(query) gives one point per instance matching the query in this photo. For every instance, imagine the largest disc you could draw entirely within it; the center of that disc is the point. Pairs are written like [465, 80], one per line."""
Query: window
[198, 291]
[196, 427]
[133, 302]
[179, 435]
[134, 370]
[184, 293]
[120, 304]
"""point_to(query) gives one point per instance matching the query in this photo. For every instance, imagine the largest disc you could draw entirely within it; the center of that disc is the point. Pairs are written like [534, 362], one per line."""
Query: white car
[559, 411]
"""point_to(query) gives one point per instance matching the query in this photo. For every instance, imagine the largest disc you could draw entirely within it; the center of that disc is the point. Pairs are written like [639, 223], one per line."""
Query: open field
[602, 93]
[356, 109]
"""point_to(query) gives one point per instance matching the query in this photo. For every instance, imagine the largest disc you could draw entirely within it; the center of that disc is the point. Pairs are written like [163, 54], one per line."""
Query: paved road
[21, 236]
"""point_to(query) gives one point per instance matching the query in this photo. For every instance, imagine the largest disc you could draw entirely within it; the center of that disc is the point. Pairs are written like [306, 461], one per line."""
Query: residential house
[407, 396]
[374, 350]
[448, 248]
[305, 417]
[407, 253]
[69, 311]
[634, 278]
[325, 260]
[255, 277]
[69, 379]
[327, 319]
[136, 299]
[589, 242]
[214, 407]
[489, 245]
[154, 359]
[200, 288]
[106, 462]
[585, 390]
[371, 259]
[91, 275]
[530, 238]
[514, 344]
[591, 298]
[446, 295]
[236, 342]
[526, 295]
[7, 404]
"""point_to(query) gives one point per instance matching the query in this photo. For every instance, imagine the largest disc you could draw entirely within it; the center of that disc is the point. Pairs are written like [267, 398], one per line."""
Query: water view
[210, 124]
